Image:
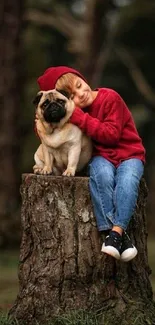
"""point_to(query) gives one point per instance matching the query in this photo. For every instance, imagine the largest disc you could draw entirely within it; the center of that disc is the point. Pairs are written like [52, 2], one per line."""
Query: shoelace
[126, 238]
[116, 239]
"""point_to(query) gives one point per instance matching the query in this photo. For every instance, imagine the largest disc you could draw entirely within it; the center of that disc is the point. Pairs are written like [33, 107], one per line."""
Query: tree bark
[61, 265]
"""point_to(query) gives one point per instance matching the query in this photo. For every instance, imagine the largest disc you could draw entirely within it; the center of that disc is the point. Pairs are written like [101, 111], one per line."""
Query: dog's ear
[64, 92]
[37, 99]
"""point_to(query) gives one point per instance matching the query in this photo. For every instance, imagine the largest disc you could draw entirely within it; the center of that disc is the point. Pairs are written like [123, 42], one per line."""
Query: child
[118, 158]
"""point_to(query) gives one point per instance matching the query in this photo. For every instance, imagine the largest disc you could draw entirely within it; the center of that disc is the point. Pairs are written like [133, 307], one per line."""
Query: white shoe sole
[128, 254]
[110, 250]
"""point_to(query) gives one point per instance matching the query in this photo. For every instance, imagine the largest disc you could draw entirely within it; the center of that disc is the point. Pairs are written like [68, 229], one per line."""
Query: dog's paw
[69, 172]
[37, 169]
[42, 170]
[46, 171]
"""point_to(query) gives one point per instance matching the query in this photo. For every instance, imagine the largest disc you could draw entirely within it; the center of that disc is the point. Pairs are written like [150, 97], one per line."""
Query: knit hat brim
[49, 78]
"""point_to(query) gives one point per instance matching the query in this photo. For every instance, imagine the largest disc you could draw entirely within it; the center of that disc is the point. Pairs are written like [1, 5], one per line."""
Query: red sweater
[110, 124]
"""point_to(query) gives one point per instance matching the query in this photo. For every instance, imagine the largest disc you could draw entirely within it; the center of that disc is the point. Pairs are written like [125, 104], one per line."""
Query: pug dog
[64, 148]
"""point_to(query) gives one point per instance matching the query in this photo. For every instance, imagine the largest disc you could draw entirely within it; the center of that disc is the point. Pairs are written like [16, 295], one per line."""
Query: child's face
[82, 94]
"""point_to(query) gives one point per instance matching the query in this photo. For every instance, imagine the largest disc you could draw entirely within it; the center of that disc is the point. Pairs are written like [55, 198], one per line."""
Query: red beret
[49, 78]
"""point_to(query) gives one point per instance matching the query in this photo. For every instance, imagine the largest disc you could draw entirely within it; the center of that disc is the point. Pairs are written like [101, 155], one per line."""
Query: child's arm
[109, 130]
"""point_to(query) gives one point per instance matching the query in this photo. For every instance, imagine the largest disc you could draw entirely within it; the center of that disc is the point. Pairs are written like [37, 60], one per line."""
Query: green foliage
[109, 317]
[72, 318]
[77, 318]
[6, 320]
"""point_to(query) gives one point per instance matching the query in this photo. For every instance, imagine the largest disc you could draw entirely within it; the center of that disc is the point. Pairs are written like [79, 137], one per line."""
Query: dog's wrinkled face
[51, 105]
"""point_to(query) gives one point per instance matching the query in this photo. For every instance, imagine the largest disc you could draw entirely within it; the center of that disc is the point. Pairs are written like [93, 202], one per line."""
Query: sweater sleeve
[106, 132]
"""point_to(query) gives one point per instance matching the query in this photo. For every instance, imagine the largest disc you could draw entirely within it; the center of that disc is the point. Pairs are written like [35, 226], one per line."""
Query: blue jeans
[114, 191]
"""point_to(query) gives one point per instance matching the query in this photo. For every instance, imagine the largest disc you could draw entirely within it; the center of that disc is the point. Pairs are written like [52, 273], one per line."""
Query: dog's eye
[64, 92]
[60, 101]
[46, 103]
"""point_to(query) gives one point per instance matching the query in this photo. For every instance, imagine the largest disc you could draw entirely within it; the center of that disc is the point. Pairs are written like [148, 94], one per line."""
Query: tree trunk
[93, 40]
[10, 58]
[61, 265]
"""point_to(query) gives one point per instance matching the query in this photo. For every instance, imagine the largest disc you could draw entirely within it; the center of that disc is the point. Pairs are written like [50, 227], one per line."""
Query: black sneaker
[112, 244]
[128, 250]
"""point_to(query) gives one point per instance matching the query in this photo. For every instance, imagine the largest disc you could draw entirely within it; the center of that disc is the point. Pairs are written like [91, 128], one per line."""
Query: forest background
[112, 44]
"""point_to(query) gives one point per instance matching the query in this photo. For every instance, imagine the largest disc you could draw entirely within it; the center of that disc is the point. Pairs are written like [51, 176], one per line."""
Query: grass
[77, 318]
[8, 278]
[73, 318]
[5, 320]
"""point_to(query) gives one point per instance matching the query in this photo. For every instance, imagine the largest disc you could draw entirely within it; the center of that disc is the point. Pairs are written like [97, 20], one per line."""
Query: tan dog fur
[64, 148]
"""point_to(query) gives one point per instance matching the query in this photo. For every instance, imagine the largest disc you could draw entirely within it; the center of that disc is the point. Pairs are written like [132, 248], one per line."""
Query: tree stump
[61, 266]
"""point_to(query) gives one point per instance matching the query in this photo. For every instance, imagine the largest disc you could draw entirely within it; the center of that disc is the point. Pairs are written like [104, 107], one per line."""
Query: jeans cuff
[102, 228]
[123, 226]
